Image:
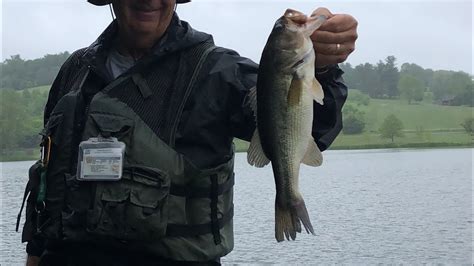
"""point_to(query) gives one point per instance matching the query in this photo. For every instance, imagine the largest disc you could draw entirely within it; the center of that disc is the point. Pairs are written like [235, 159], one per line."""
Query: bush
[468, 125]
[358, 97]
[353, 125]
[353, 120]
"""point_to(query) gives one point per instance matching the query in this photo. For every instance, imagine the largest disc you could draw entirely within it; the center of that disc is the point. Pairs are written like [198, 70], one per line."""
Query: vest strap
[201, 192]
[181, 230]
[25, 195]
[214, 218]
[142, 85]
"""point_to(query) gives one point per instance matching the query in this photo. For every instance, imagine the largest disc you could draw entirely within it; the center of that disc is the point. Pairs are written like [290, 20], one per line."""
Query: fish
[282, 102]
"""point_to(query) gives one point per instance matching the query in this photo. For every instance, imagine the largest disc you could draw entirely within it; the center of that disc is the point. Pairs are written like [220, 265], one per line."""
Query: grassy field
[425, 115]
[40, 88]
[425, 125]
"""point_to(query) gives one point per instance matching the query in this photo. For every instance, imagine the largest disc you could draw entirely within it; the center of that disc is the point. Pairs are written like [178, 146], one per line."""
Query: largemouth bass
[285, 92]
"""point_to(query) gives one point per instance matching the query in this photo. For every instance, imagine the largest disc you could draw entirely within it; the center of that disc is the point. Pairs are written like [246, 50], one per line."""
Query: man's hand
[335, 40]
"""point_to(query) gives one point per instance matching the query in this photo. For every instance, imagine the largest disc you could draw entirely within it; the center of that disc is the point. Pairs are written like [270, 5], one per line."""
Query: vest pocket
[110, 125]
[134, 208]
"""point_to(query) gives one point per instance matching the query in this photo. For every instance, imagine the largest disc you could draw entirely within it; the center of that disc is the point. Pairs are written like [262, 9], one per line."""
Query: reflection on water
[378, 206]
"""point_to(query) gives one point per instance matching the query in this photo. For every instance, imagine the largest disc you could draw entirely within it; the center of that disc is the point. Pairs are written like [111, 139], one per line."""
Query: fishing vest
[163, 204]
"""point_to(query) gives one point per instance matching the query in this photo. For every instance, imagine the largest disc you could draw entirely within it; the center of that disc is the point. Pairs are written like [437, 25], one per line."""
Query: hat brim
[106, 2]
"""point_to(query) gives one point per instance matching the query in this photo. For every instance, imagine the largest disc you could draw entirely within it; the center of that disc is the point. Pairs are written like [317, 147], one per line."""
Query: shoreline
[25, 155]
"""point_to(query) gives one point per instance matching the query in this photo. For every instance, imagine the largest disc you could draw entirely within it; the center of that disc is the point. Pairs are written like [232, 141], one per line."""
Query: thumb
[322, 11]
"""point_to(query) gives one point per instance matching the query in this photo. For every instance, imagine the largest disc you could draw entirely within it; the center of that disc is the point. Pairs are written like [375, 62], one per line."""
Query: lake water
[367, 207]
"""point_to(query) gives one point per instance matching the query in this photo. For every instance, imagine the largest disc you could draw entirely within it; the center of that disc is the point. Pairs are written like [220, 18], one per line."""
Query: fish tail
[287, 221]
[302, 214]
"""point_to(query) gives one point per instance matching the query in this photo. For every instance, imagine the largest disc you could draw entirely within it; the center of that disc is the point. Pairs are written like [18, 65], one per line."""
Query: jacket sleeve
[327, 121]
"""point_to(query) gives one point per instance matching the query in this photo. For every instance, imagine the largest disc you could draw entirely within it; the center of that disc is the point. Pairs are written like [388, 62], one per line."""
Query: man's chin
[146, 28]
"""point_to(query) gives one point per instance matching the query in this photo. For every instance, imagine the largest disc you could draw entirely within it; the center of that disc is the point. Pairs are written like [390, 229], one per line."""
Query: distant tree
[11, 69]
[367, 80]
[411, 88]
[465, 97]
[391, 127]
[353, 120]
[389, 75]
[425, 75]
[468, 125]
[21, 74]
[449, 84]
[350, 76]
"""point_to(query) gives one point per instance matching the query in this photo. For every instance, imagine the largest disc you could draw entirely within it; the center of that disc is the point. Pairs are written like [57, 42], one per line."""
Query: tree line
[381, 80]
[19, 74]
[412, 82]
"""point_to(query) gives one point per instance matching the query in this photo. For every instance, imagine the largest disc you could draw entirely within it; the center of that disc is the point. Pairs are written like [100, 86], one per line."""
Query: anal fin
[313, 156]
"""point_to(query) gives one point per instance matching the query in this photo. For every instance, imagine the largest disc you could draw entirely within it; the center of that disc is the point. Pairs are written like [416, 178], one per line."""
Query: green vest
[163, 204]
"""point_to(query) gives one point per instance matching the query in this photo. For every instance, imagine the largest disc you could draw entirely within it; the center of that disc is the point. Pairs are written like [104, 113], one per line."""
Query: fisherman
[137, 165]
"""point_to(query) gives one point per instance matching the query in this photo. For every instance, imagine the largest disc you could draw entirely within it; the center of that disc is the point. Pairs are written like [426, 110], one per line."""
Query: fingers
[339, 23]
[332, 38]
[335, 40]
[334, 49]
[324, 60]
[322, 11]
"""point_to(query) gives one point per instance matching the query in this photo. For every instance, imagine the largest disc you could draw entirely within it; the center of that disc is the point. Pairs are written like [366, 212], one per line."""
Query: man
[174, 102]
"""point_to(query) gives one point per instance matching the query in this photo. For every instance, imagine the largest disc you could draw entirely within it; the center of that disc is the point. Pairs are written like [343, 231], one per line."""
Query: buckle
[45, 150]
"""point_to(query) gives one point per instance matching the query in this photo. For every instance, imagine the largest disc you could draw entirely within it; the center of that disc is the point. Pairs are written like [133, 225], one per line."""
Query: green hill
[425, 115]
[425, 125]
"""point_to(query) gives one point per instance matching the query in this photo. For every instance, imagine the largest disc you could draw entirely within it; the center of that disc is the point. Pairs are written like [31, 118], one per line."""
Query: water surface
[377, 206]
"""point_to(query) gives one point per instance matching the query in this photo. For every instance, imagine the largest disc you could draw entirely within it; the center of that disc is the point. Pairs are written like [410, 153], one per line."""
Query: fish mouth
[295, 16]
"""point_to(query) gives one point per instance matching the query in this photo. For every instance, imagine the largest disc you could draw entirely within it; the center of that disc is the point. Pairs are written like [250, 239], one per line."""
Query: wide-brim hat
[106, 2]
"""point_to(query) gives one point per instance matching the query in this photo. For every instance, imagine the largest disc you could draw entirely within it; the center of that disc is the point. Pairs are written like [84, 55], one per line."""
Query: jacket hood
[178, 36]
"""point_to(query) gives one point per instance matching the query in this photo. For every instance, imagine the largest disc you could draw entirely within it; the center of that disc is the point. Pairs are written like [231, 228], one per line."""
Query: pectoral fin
[313, 156]
[316, 91]
[255, 154]
[294, 93]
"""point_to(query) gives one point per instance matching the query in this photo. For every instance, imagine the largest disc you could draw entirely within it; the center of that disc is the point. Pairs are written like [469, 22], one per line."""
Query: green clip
[42, 189]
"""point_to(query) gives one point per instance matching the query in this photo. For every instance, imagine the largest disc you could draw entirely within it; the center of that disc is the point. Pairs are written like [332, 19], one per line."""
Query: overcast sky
[433, 34]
